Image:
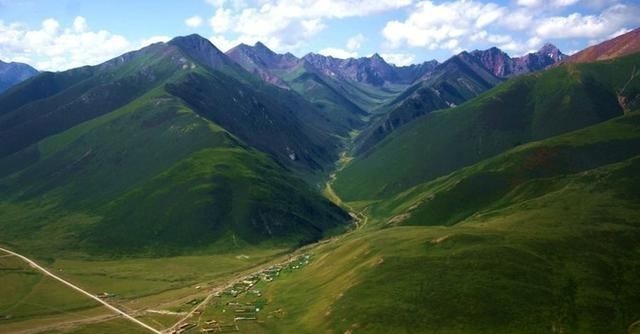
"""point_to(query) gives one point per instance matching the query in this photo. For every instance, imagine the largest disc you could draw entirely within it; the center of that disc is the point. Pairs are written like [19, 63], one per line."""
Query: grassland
[35, 303]
[556, 252]
[522, 110]
[30, 299]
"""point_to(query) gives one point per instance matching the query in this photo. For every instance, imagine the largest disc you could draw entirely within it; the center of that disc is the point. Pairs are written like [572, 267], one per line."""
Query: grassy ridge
[154, 153]
[524, 109]
[270, 119]
[229, 196]
[34, 112]
[517, 175]
[166, 181]
[451, 83]
[556, 253]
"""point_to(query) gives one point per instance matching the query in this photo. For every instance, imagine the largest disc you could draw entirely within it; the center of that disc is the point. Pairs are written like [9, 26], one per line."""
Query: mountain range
[484, 194]
[104, 140]
[257, 109]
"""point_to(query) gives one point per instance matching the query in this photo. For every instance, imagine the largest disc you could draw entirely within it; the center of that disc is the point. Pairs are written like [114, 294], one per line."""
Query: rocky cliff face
[503, 66]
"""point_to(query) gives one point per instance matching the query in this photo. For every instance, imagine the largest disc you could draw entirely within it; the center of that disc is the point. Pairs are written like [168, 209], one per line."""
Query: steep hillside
[54, 102]
[289, 72]
[346, 89]
[451, 83]
[458, 79]
[189, 156]
[557, 252]
[622, 45]
[524, 109]
[515, 176]
[13, 73]
[262, 61]
[503, 66]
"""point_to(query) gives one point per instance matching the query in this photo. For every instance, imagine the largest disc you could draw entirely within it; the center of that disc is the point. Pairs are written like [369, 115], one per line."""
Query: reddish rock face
[372, 70]
[503, 66]
[622, 45]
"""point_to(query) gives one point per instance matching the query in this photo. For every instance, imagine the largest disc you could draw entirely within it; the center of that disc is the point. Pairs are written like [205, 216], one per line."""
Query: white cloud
[529, 3]
[355, 42]
[287, 24]
[221, 21]
[193, 22]
[80, 24]
[516, 27]
[452, 44]
[563, 3]
[547, 3]
[437, 25]
[338, 53]
[54, 47]
[399, 59]
[517, 19]
[216, 3]
[577, 25]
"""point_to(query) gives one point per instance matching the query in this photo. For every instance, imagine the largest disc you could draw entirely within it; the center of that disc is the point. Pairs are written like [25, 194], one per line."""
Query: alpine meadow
[339, 166]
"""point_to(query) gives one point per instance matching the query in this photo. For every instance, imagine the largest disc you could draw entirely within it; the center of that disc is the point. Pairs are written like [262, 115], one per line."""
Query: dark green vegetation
[514, 212]
[451, 83]
[35, 303]
[157, 153]
[543, 238]
[527, 108]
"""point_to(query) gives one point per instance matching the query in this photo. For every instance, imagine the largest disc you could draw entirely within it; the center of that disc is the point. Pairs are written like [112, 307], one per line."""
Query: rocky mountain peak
[201, 50]
[552, 52]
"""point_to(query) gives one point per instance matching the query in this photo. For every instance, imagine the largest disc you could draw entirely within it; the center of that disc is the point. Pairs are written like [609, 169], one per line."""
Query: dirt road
[75, 287]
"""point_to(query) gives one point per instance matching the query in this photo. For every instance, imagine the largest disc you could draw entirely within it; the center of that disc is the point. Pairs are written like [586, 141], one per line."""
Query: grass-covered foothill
[552, 247]
[200, 155]
[524, 109]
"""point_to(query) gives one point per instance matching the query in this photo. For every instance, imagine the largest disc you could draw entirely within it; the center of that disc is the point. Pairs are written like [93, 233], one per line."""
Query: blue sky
[62, 34]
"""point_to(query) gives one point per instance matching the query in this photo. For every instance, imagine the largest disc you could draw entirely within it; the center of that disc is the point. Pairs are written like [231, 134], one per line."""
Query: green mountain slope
[342, 99]
[53, 102]
[197, 72]
[518, 175]
[197, 158]
[289, 72]
[451, 83]
[523, 109]
[555, 252]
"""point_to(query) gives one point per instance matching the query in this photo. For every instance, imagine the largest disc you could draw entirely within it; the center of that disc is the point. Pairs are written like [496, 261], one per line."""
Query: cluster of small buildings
[213, 326]
[242, 286]
[245, 311]
[183, 328]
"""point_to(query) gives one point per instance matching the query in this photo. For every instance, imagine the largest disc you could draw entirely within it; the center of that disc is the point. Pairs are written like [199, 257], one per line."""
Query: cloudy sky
[62, 34]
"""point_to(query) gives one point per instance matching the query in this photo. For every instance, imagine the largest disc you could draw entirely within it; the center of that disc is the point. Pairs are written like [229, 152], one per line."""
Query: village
[224, 310]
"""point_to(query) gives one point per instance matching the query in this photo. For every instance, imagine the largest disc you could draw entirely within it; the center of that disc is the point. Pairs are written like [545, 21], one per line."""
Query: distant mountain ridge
[503, 66]
[372, 70]
[14, 73]
[453, 82]
[524, 109]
